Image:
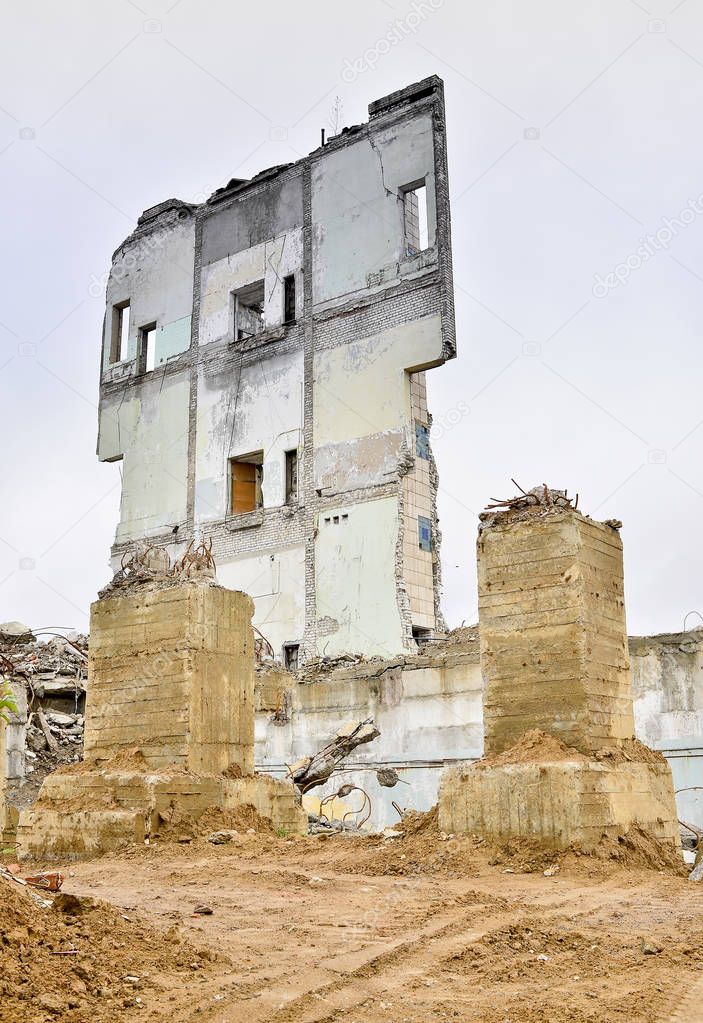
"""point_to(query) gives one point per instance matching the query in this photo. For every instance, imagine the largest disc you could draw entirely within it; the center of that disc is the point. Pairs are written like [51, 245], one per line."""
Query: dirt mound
[72, 961]
[131, 759]
[421, 848]
[241, 819]
[534, 746]
[177, 825]
[632, 750]
[637, 848]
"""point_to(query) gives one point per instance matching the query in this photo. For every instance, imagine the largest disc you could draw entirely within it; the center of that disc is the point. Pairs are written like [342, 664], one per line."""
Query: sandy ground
[411, 930]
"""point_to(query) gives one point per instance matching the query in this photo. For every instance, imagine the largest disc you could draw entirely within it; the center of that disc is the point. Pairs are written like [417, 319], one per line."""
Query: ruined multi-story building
[263, 381]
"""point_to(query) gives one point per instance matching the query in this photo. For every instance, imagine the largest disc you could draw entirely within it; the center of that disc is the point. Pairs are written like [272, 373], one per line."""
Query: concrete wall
[270, 261]
[153, 271]
[171, 674]
[667, 681]
[257, 407]
[553, 639]
[357, 205]
[334, 384]
[430, 714]
[149, 432]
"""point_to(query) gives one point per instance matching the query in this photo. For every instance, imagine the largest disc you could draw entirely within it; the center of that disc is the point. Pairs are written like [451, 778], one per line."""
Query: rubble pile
[48, 678]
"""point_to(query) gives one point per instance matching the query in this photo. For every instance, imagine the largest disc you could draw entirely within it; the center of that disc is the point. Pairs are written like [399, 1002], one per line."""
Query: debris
[388, 777]
[196, 561]
[15, 632]
[202, 911]
[323, 826]
[649, 948]
[313, 771]
[222, 837]
[362, 813]
[697, 872]
[48, 680]
[389, 833]
[551, 871]
[43, 724]
[539, 501]
[71, 905]
[50, 881]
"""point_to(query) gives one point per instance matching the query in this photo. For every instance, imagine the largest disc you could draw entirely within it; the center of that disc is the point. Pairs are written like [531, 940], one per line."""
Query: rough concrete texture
[334, 564]
[83, 811]
[559, 803]
[171, 673]
[553, 641]
[554, 657]
[170, 708]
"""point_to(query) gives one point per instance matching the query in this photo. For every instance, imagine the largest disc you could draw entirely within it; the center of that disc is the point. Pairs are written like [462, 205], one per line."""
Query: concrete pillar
[171, 673]
[554, 652]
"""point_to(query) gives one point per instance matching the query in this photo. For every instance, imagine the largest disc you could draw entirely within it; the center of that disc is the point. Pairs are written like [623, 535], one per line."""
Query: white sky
[573, 130]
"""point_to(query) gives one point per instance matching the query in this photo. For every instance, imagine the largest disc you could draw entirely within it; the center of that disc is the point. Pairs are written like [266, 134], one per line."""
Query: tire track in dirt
[371, 974]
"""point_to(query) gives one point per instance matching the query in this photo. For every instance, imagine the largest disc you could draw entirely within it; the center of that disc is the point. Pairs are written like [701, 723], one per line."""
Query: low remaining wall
[667, 682]
[429, 710]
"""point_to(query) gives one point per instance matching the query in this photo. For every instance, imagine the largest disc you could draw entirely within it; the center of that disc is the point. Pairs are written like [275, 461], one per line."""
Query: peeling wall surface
[296, 312]
[430, 713]
[667, 681]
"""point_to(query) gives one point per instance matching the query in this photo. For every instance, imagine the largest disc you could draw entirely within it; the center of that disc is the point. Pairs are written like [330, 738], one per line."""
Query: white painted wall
[362, 411]
[355, 579]
[431, 716]
[150, 431]
[276, 582]
[260, 411]
[426, 716]
[356, 208]
[155, 274]
[271, 261]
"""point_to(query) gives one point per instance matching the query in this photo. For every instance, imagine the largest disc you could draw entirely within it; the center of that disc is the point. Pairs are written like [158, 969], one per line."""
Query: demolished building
[263, 385]
[263, 382]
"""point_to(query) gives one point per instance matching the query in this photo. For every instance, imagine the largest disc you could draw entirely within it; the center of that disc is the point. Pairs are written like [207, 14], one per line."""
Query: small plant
[7, 701]
[282, 832]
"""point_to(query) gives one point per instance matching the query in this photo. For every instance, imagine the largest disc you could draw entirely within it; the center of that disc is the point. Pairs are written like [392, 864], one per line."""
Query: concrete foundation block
[560, 802]
[83, 812]
[45, 833]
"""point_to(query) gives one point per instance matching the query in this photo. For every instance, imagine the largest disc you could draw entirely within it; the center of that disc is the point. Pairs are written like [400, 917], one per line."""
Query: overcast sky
[574, 134]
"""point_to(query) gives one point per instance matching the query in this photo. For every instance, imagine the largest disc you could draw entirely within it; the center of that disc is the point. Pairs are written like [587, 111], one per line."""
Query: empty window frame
[146, 359]
[246, 480]
[291, 656]
[119, 337]
[416, 237]
[291, 477]
[248, 311]
[289, 299]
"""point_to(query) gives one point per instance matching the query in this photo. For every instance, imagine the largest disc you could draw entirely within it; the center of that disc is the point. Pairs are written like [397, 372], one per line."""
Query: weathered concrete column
[554, 651]
[169, 713]
[171, 673]
[554, 658]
